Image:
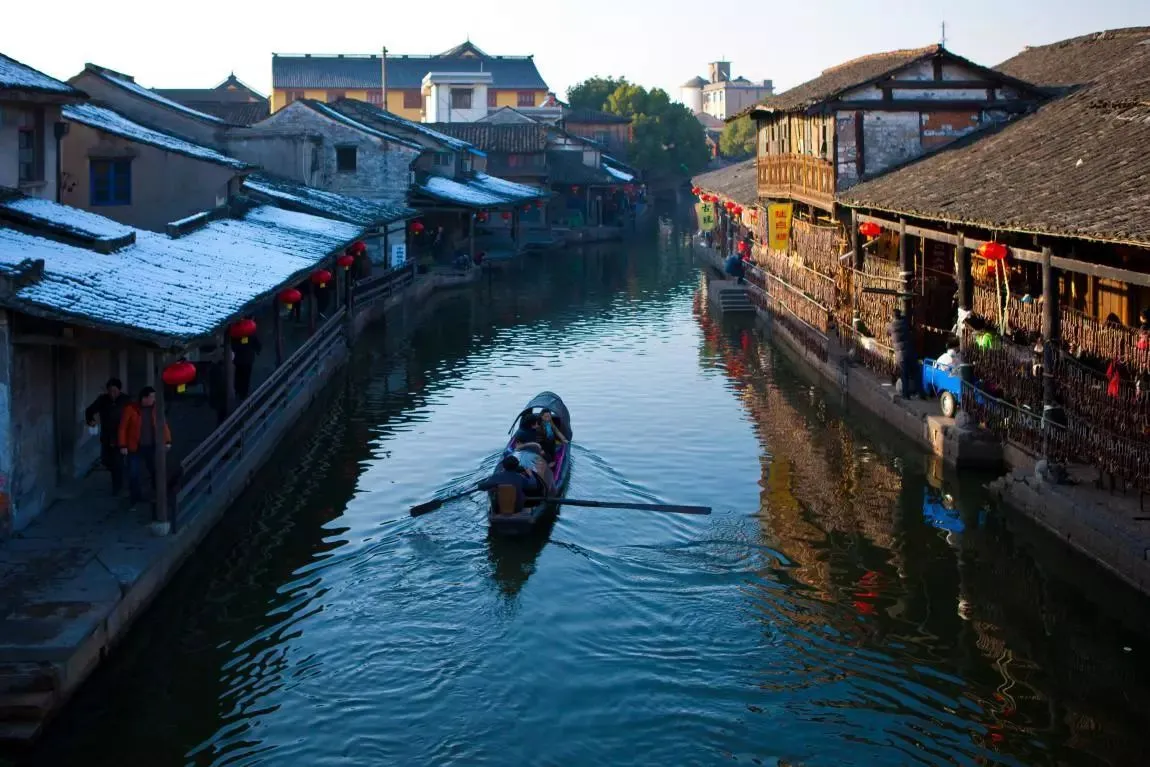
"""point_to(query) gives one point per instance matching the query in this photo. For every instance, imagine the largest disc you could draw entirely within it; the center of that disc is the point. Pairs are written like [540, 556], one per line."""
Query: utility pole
[943, 42]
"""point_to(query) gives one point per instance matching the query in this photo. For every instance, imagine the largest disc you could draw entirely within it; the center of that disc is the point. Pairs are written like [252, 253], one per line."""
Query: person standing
[903, 343]
[137, 439]
[107, 409]
[244, 358]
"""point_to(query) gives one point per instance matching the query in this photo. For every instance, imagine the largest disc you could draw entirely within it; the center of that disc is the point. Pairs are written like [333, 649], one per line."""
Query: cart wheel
[949, 404]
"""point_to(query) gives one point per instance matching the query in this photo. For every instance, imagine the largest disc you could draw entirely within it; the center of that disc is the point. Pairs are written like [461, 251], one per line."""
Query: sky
[659, 43]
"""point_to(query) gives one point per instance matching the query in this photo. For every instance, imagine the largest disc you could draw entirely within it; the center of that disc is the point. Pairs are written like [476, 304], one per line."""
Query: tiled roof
[129, 84]
[320, 202]
[498, 137]
[234, 113]
[567, 167]
[159, 289]
[403, 72]
[110, 121]
[1076, 61]
[17, 76]
[1078, 167]
[844, 76]
[695, 82]
[419, 134]
[329, 111]
[738, 181]
[593, 117]
[481, 191]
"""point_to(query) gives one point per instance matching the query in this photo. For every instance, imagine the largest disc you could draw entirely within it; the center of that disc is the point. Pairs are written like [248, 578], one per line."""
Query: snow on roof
[356, 210]
[17, 76]
[104, 119]
[147, 93]
[327, 111]
[509, 189]
[626, 177]
[53, 215]
[470, 195]
[174, 290]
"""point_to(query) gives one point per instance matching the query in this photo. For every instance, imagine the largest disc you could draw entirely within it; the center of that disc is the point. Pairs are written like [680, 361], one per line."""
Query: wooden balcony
[798, 177]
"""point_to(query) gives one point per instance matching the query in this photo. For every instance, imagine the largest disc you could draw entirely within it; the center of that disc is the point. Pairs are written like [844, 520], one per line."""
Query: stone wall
[33, 479]
[382, 167]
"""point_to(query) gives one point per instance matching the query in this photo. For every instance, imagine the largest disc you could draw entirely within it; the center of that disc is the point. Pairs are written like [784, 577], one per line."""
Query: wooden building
[862, 118]
[612, 132]
[232, 101]
[396, 82]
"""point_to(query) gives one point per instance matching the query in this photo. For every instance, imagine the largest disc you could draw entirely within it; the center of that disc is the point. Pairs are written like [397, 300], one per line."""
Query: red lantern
[416, 227]
[357, 248]
[738, 211]
[479, 258]
[992, 251]
[345, 261]
[481, 217]
[741, 247]
[243, 330]
[695, 191]
[870, 229]
[526, 208]
[506, 215]
[321, 277]
[179, 374]
[539, 204]
[574, 190]
[290, 297]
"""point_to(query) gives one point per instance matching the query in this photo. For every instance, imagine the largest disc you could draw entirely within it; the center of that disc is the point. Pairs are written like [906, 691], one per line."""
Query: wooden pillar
[229, 375]
[962, 274]
[856, 242]
[906, 267]
[122, 364]
[386, 252]
[1051, 330]
[471, 236]
[312, 308]
[150, 366]
[278, 330]
[162, 517]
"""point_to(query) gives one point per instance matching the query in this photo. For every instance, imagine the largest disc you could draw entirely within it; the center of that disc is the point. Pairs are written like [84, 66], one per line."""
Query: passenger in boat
[528, 433]
[550, 437]
[512, 473]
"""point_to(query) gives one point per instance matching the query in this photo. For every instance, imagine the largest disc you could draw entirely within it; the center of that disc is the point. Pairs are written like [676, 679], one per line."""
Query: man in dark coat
[903, 343]
[108, 408]
[244, 359]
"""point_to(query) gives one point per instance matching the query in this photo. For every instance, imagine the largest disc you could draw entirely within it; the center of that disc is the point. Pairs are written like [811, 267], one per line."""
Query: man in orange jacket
[138, 440]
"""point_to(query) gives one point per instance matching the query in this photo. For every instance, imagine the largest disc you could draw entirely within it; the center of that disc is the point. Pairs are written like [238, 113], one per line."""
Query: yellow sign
[779, 225]
[706, 214]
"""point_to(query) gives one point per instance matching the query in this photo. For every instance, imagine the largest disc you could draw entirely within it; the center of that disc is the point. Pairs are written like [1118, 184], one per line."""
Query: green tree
[738, 139]
[668, 140]
[593, 92]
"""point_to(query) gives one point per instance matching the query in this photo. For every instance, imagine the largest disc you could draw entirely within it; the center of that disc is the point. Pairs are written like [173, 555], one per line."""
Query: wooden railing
[383, 286]
[801, 177]
[213, 464]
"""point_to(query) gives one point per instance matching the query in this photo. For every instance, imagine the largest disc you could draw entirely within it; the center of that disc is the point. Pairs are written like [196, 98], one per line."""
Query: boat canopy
[550, 401]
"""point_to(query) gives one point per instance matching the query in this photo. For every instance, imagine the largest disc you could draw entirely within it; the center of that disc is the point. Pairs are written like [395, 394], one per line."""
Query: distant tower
[691, 93]
[720, 71]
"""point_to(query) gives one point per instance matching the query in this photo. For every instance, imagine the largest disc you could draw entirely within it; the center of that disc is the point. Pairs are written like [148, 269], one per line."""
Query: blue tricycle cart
[943, 382]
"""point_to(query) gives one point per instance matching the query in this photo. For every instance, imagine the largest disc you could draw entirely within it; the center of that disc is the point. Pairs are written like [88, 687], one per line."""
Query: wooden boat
[501, 514]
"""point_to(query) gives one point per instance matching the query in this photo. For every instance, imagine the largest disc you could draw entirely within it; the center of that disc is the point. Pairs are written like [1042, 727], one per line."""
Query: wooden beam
[925, 105]
[161, 458]
[963, 277]
[940, 85]
[229, 375]
[43, 339]
[1100, 271]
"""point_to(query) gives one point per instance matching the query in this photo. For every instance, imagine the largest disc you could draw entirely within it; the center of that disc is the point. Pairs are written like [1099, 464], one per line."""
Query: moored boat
[503, 514]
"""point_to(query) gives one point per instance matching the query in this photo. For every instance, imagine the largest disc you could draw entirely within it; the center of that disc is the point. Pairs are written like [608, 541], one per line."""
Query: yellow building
[515, 81]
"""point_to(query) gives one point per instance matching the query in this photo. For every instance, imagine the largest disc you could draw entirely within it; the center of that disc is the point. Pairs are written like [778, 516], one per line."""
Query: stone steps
[735, 301]
[28, 694]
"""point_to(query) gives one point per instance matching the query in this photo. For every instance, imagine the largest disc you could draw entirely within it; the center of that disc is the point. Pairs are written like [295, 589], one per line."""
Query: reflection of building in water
[820, 488]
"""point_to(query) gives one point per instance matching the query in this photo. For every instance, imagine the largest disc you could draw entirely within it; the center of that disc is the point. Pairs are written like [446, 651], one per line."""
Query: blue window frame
[111, 182]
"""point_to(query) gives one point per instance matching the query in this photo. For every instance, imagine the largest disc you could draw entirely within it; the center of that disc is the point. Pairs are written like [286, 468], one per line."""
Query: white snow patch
[108, 121]
[73, 219]
[466, 194]
[618, 173]
[140, 90]
[509, 189]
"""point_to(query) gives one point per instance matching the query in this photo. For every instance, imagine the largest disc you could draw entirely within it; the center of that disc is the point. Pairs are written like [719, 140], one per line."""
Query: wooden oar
[430, 506]
[665, 507]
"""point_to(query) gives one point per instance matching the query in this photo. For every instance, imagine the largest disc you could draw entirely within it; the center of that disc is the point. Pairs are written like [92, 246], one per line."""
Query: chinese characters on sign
[706, 214]
[779, 225]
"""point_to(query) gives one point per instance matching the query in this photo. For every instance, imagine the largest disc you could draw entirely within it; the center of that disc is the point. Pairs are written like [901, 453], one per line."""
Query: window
[461, 98]
[27, 156]
[111, 182]
[293, 96]
[412, 100]
[526, 98]
[602, 136]
[375, 98]
[334, 96]
[345, 157]
[443, 159]
[492, 98]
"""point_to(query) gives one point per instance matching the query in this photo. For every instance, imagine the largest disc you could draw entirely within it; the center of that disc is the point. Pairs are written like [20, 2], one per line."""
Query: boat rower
[512, 474]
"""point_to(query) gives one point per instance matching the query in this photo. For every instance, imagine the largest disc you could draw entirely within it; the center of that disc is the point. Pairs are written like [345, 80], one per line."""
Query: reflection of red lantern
[321, 277]
[290, 297]
[345, 261]
[243, 330]
[506, 216]
[992, 251]
[870, 229]
[179, 374]
[416, 227]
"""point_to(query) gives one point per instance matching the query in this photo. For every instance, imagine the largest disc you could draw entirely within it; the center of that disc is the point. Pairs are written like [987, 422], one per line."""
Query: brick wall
[382, 167]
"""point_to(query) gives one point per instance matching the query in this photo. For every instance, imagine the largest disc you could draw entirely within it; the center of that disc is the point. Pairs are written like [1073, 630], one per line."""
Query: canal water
[847, 602]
